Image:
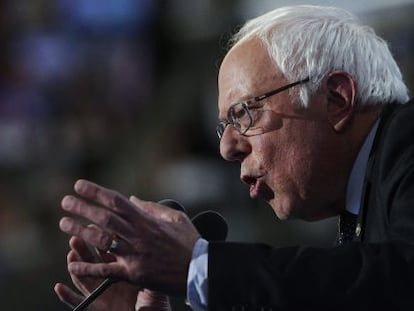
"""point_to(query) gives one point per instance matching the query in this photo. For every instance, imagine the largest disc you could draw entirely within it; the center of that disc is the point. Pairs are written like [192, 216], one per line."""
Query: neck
[361, 126]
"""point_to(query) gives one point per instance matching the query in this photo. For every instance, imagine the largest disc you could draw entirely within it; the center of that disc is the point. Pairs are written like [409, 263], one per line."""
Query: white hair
[312, 41]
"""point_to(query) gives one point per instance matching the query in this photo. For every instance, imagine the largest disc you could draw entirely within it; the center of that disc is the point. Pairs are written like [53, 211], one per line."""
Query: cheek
[271, 153]
[287, 156]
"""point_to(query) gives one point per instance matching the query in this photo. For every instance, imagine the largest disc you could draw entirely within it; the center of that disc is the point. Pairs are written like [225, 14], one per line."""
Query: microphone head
[173, 204]
[211, 226]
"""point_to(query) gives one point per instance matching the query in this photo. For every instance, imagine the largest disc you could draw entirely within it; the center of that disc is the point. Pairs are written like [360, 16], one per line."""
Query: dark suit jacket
[374, 272]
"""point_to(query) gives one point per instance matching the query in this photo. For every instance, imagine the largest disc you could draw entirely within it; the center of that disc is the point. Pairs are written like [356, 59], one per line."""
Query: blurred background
[123, 92]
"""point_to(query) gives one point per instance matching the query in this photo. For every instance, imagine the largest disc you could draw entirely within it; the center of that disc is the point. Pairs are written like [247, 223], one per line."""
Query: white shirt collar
[356, 179]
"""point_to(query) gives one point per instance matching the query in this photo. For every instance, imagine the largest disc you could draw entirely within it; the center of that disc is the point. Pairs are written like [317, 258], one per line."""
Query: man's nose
[233, 145]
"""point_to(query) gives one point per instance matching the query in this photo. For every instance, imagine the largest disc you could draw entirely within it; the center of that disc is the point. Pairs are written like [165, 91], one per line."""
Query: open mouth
[256, 185]
[255, 190]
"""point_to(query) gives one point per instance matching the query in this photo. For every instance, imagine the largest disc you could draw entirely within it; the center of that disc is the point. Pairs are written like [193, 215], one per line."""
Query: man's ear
[341, 90]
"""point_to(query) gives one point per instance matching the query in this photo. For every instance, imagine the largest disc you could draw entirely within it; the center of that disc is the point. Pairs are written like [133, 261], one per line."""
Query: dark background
[123, 92]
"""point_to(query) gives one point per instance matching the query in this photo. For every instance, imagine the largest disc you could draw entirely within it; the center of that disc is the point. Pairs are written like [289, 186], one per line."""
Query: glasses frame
[220, 128]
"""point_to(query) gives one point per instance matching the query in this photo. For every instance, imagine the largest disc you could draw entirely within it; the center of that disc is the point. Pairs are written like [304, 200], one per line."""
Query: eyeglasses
[240, 115]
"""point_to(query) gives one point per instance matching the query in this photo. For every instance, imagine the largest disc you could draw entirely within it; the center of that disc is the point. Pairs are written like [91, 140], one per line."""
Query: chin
[282, 216]
[280, 212]
[290, 207]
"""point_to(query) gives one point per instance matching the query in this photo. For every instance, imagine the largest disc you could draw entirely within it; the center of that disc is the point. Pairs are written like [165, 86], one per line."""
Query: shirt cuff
[197, 281]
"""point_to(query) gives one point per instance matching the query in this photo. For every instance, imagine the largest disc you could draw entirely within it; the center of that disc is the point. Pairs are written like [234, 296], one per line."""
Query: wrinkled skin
[119, 296]
[154, 249]
[296, 159]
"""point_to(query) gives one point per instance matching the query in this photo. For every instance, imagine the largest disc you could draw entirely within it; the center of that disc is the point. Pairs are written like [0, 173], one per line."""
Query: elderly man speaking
[313, 107]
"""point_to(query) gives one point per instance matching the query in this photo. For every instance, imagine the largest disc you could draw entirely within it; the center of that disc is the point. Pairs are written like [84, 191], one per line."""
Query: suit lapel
[366, 189]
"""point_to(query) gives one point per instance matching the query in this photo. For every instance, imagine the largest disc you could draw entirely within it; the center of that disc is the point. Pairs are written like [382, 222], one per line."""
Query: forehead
[246, 71]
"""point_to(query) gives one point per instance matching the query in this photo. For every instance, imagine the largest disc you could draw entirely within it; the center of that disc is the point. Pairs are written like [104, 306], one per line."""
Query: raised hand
[119, 296]
[153, 243]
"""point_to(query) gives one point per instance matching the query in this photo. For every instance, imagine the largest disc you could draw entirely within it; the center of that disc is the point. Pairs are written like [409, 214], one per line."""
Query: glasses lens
[240, 117]
[220, 129]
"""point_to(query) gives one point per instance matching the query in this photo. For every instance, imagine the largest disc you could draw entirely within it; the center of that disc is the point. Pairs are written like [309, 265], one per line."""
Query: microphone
[211, 226]
[173, 204]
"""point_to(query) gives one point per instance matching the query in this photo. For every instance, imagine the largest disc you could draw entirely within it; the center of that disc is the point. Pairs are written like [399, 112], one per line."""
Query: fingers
[158, 211]
[147, 207]
[84, 285]
[91, 235]
[97, 270]
[109, 210]
[73, 256]
[102, 217]
[107, 198]
[81, 249]
[150, 238]
[67, 296]
[85, 253]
